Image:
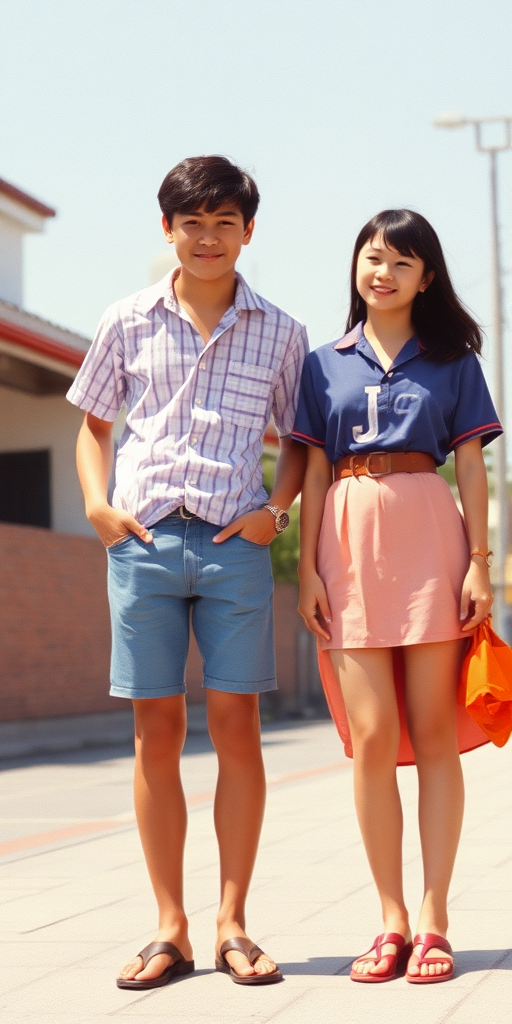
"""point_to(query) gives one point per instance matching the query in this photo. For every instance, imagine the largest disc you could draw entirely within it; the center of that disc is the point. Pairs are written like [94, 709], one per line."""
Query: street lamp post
[500, 450]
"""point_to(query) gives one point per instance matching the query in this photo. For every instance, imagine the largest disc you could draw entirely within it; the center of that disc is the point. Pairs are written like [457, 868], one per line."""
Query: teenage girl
[388, 564]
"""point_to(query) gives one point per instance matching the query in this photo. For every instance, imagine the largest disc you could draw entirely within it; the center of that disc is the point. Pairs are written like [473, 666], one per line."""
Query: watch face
[282, 520]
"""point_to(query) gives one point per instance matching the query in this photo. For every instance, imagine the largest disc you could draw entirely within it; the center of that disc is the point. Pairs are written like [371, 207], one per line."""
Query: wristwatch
[281, 518]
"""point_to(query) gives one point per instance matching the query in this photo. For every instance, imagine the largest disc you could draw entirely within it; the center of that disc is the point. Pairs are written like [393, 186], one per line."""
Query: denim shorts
[156, 590]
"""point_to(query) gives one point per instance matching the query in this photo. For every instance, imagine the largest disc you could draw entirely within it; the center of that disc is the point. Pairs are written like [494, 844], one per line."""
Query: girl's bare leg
[160, 730]
[366, 680]
[432, 672]
[234, 726]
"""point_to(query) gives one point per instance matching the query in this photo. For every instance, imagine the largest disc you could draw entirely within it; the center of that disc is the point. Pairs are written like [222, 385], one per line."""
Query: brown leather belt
[382, 463]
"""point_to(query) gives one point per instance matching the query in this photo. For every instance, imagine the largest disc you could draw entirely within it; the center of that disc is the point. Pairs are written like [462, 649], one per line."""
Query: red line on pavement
[55, 834]
[105, 825]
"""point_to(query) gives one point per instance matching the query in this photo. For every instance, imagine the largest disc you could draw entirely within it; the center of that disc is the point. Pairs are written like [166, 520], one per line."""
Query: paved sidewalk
[76, 903]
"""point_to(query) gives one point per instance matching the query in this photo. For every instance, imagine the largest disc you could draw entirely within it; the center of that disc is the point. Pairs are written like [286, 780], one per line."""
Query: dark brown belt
[382, 463]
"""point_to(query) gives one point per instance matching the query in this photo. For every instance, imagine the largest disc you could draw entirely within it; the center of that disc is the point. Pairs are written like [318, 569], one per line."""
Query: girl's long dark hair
[443, 325]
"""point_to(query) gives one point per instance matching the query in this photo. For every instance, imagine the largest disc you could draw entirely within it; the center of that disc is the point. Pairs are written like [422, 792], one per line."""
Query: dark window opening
[25, 488]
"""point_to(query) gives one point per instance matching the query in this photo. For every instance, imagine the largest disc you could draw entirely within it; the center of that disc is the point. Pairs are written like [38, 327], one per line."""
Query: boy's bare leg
[234, 726]
[160, 731]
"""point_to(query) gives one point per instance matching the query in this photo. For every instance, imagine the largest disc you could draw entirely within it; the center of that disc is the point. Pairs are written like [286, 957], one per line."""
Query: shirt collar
[245, 297]
[352, 338]
[356, 338]
[163, 291]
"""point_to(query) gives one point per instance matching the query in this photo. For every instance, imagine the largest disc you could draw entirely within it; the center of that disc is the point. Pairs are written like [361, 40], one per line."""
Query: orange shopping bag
[485, 687]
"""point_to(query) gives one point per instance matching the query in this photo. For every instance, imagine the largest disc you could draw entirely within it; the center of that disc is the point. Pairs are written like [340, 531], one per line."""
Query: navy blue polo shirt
[349, 405]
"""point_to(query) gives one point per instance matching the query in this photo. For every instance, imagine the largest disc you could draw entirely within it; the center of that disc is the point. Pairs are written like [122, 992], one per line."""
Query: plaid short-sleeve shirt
[196, 413]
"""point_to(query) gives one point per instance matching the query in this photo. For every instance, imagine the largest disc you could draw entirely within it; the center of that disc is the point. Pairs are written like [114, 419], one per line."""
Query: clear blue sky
[330, 104]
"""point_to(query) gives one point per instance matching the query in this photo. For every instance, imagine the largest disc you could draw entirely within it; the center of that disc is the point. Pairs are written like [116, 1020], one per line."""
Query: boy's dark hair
[444, 327]
[208, 181]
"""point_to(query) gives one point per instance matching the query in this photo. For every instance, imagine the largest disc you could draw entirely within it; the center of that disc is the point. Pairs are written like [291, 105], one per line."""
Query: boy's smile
[209, 244]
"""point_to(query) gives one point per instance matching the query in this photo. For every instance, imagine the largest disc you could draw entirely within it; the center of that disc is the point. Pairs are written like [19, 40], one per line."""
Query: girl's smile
[387, 276]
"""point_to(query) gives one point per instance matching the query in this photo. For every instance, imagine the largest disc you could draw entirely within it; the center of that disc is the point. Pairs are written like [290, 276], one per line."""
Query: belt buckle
[182, 511]
[355, 464]
[379, 455]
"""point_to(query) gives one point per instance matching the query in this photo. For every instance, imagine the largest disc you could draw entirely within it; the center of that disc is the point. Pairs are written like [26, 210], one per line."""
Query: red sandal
[403, 952]
[429, 940]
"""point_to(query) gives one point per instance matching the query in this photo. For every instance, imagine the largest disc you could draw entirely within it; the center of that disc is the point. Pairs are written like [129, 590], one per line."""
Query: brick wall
[55, 634]
[54, 627]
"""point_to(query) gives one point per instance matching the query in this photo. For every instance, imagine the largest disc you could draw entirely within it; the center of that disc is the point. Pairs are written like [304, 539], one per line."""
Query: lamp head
[450, 120]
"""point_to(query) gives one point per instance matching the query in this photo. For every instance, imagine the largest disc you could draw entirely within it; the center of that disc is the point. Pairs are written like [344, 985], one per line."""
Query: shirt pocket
[246, 396]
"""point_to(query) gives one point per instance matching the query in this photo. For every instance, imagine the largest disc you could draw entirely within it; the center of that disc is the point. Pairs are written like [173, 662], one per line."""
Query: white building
[38, 360]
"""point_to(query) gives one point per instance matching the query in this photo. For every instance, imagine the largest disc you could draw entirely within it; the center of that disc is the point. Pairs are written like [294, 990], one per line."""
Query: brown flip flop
[252, 953]
[178, 967]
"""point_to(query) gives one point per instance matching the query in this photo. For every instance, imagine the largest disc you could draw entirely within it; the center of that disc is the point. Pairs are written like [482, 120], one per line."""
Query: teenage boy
[200, 362]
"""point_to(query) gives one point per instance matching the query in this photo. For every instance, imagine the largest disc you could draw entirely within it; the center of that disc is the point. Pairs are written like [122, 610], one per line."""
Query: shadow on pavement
[318, 965]
[468, 961]
[197, 742]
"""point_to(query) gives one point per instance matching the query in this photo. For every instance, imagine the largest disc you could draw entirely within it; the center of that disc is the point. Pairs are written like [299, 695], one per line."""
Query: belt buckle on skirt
[379, 455]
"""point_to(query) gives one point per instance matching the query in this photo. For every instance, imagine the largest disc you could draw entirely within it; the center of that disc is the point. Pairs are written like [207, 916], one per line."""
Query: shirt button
[202, 366]
[194, 440]
[390, 374]
[199, 401]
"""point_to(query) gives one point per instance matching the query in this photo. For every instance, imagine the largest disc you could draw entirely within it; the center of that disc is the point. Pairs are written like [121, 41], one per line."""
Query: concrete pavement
[76, 903]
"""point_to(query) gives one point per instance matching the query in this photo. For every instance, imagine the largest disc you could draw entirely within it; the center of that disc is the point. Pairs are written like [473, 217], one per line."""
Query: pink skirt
[393, 554]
